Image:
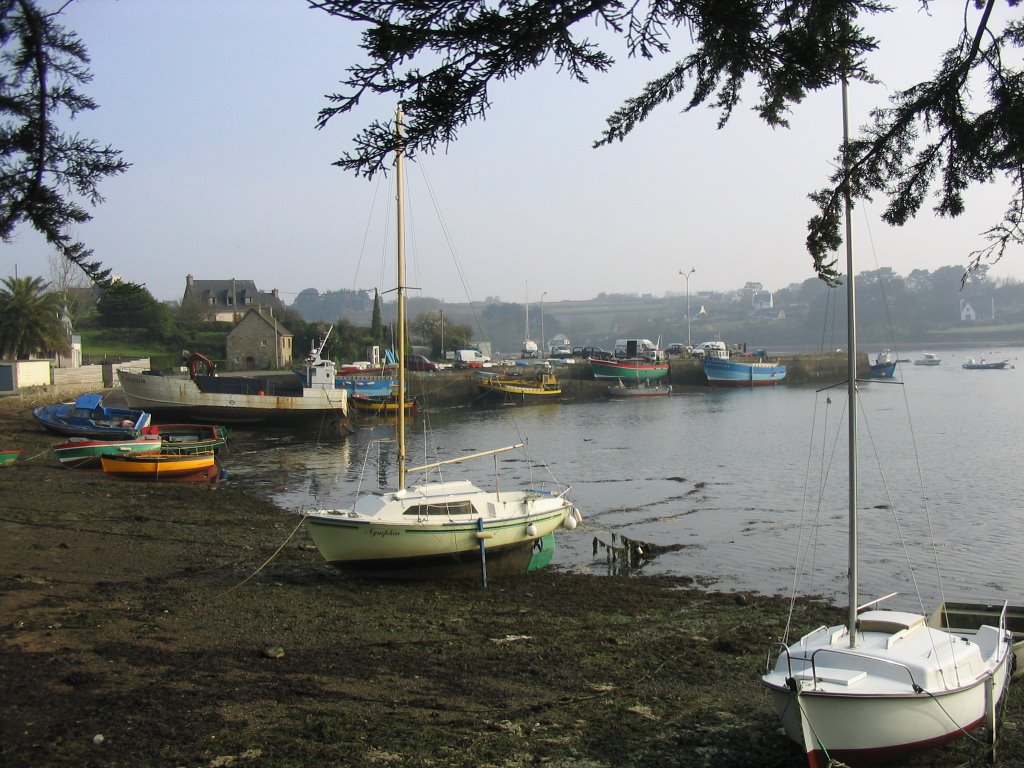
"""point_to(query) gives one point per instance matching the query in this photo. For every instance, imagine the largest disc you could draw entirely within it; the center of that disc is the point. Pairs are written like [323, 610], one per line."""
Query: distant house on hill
[226, 301]
[259, 342]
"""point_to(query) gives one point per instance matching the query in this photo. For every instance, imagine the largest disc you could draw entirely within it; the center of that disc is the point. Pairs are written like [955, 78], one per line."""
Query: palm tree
[30, 319]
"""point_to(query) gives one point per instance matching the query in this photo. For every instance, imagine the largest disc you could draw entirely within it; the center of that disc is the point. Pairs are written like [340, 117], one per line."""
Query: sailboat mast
[527, 334]
[400, 236]
[851, 374]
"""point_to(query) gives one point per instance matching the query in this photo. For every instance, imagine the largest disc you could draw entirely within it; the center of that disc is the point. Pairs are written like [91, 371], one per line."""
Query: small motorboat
[928, 358]
[985, 365]
[88, 417]
[642, 389]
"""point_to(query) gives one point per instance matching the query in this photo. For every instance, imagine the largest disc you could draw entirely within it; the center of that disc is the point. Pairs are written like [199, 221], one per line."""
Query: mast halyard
[851, 374]
[400, 235]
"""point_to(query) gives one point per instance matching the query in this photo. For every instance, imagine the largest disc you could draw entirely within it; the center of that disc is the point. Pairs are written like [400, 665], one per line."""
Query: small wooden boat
[88, 417]
[543, 386]
[194, 467]
[383, 405]
[9, 456]
[188, 438]
[83, 452]
[642, 389]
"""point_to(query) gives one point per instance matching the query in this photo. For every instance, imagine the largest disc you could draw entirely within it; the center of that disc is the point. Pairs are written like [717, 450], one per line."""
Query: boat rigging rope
[266, 563]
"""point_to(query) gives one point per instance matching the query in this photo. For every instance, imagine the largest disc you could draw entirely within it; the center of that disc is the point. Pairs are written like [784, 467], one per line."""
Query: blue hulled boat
[88, 417]
[725, 371]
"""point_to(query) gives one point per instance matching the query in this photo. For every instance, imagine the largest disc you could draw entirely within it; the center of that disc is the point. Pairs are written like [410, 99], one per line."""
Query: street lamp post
[542, 347]
[687, 276]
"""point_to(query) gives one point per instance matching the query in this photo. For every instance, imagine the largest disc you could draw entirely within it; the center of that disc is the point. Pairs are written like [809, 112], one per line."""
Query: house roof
[270, 321]
[221, 291]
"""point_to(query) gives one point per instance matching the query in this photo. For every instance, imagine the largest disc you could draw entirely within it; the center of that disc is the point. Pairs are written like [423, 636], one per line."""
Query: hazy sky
[214, 104]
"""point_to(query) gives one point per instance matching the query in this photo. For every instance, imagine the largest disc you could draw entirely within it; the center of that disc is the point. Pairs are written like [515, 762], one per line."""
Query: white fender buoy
[531, 530]
[569, 523]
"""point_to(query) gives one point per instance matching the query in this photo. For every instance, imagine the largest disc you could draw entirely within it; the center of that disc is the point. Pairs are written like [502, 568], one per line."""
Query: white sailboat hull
[898, 692]
[434, 522]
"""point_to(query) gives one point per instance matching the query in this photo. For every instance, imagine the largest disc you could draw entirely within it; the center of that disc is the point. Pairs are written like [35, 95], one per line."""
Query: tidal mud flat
[180, 625]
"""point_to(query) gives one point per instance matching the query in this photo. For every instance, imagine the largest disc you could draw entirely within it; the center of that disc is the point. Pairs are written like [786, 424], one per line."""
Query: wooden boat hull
[81, 452]
[511, 389]
[631, 370]
[733, 373]
[8, 457]
[387, 406]
[188, 438]
[178, 398]
[183, 467]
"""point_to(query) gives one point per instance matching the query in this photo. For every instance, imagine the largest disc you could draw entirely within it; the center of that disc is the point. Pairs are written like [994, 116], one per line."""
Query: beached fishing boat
[541, 387]
[887, 683]
[190, 467]
[309, 396]
[434, 523]
[632, 369]
[188, 438]
[87, 416]
[82, 452]
[723, 370]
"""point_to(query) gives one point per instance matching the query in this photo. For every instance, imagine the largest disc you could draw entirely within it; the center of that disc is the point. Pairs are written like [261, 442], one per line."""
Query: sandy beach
[195, 625]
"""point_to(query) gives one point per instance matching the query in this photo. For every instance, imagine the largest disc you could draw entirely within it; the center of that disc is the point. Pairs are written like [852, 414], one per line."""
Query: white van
[470, 358]
[634, 347]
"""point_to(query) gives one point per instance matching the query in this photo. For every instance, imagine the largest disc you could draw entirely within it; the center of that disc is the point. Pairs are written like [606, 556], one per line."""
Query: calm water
[730, 482]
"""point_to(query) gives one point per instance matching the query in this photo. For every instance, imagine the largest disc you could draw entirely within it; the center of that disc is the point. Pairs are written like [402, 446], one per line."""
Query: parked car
[678, 348]
[419, 363]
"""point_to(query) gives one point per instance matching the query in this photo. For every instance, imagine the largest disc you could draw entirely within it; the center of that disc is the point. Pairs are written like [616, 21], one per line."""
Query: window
[451, 508]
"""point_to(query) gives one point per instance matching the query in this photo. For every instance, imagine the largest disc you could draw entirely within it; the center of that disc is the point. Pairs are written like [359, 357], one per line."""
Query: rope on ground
[265, 564]
[36, 456]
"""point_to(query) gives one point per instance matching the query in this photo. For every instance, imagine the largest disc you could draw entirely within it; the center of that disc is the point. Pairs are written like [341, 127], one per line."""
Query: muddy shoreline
[179, 625]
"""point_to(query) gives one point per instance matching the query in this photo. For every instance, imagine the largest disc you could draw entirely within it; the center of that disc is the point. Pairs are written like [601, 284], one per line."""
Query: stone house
[259, 342]
[226, 301]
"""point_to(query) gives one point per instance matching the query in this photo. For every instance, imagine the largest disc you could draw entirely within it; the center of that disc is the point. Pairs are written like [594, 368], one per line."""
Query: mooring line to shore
[267, 562]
